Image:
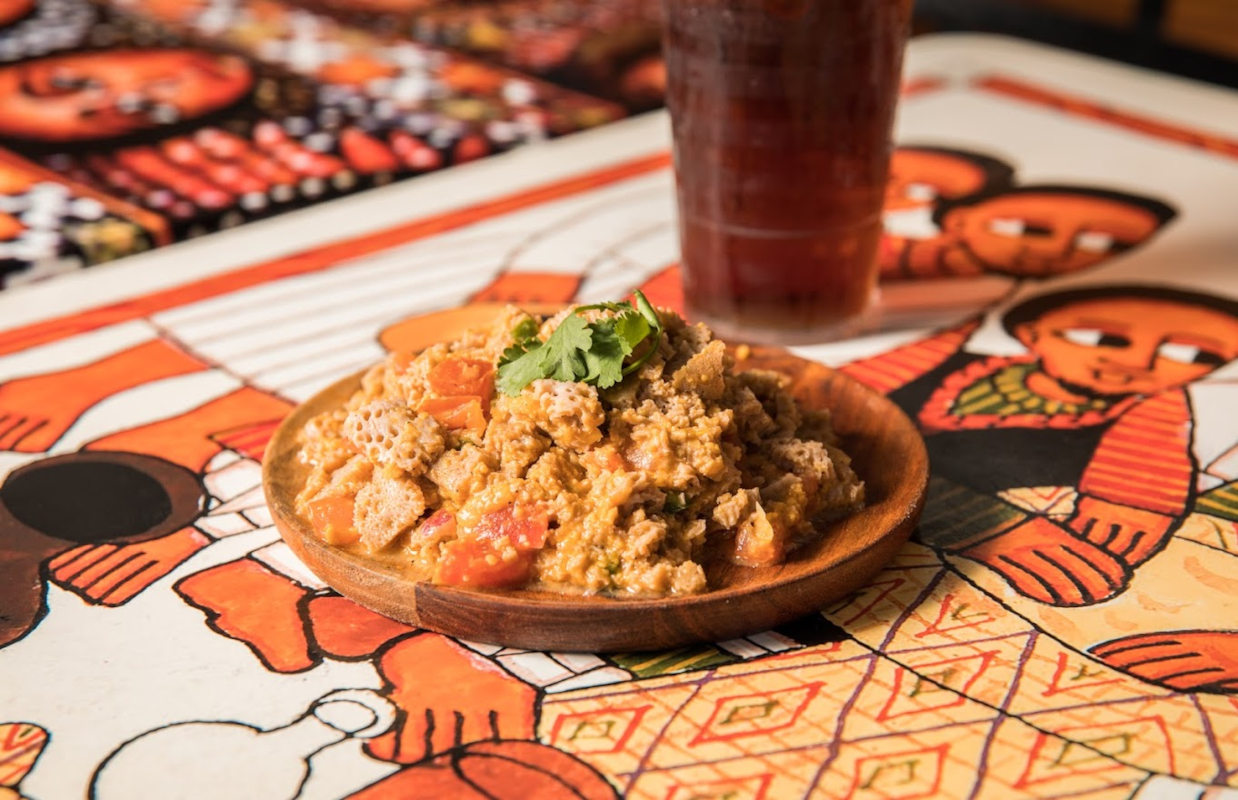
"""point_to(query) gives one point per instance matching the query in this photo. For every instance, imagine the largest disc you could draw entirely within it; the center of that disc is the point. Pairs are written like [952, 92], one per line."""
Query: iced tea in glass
[782, 113]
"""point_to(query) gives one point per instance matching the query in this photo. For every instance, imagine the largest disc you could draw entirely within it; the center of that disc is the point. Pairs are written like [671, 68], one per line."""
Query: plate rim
[299, 533]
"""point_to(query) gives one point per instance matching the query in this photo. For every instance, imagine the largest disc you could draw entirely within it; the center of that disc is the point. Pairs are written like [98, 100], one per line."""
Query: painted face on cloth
[1120, 346]
[919, 177]
[87, 96]
[1050, 232]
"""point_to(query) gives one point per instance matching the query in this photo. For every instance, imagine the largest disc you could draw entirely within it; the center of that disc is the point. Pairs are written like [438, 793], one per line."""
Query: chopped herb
[675, 502]
[605, 355]
[526, 331]
[589, 352]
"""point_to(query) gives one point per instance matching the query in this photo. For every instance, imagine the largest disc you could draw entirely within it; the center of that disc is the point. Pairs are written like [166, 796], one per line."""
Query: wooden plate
[888, 454]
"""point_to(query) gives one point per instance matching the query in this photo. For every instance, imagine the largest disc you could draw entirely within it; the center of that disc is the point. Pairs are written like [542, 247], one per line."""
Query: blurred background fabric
[1193, 38]
[130, 124]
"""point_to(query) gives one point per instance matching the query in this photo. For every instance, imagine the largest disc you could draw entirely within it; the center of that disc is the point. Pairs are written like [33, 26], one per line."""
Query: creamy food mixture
[625, 490]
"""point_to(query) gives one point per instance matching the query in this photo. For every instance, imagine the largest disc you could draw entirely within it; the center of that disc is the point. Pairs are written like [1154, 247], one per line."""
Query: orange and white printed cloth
[1062, 325]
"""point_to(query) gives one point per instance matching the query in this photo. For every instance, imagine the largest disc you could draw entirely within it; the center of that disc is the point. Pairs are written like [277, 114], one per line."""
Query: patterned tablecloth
[125, 125]
[1063, 327]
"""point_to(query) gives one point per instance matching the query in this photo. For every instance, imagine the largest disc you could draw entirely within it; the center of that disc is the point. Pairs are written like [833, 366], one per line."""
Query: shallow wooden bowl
[888, 454]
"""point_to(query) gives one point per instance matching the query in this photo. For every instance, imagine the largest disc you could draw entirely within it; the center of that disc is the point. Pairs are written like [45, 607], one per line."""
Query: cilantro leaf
[590, 352]
[647, 310]
[558, 357]
[525, 331]
[568, 366]
[607, 306]
[632, 328]
[521, 363]
[516, 351]
[519, 366]
[650, 315]
[573, 333]
[605, 357]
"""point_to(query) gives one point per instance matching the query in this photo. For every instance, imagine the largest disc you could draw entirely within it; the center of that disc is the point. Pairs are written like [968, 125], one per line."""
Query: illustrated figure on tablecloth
[287, 620]
[954, 213]
[1098, 405]
[276, 763]
[21, 744]
[244, 761]
[137, 478]
[136, 521]
[923, 177]
[1026, 231]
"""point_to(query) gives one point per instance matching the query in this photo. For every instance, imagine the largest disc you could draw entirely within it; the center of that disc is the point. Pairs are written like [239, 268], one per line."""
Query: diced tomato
[472, 562]
[524, 531]
[479, 559]
[332, 518]
[456, 377]
[457, 413]
[440, 523]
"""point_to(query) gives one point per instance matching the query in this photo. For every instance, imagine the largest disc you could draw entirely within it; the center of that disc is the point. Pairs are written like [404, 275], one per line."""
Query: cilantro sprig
[587, 352]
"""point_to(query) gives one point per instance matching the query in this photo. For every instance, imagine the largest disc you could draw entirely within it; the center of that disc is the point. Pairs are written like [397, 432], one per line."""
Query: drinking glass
[781, 112]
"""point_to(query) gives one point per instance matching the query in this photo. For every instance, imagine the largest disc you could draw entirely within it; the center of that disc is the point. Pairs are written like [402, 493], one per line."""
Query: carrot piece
[463, 376]
[332, 518]
[604, 458]
[457, 413]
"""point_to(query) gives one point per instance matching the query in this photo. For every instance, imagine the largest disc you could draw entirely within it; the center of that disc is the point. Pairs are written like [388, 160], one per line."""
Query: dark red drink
[782, 113]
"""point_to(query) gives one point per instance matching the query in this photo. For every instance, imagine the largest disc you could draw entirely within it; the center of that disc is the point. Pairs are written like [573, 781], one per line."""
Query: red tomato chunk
[497, 554]
[441, 522]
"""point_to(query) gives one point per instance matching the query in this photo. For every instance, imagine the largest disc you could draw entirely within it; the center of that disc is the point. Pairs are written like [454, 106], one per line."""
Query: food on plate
[611, 449]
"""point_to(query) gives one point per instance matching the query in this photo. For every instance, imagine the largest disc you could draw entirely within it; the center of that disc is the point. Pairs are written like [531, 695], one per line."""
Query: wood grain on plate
[888, 454]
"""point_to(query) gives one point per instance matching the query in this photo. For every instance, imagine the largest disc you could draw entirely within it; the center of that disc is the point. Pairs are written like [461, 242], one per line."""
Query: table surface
[1062, 625]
